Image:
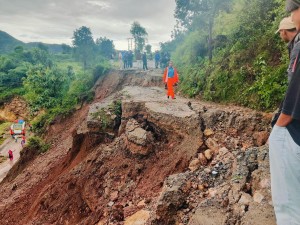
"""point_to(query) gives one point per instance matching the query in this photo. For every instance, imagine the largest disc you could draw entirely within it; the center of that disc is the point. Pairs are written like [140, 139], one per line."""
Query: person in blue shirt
[170, 79]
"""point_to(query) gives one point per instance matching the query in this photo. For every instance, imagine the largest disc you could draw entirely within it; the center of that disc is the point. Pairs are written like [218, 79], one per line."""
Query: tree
[139, 34]
[105, 46]
[148, 49]
[43, 47]
[45, 87]
[19, 49]
[84, 44]
[192, 14]
[66, 49]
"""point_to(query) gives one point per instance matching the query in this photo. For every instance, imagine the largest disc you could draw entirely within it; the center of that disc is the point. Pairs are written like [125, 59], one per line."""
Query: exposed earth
[135, 157]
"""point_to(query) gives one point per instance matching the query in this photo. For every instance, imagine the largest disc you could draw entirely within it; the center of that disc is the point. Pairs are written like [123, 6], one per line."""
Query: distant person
[145, 67]
[171, 79]
[120, 60]
[165, 59]
[157, 59]
[289, 34]
[284, 143]
[23, 141]
[125, 60]
[130, 59]
[10, 155]
[16, 138]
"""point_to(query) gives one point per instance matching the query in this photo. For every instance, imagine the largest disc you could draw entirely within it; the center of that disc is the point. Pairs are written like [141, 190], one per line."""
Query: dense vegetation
[54, 84]
[227, 51]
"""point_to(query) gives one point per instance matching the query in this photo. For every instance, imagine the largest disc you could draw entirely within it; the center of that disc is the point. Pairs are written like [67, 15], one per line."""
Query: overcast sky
[54, 21]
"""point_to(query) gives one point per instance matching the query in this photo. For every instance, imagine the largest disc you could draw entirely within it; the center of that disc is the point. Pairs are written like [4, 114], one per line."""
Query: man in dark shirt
[145, 67]
[288, 34]
[285, 145]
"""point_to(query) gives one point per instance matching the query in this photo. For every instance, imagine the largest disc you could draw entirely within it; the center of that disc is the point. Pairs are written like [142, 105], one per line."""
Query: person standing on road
[130, 59]
[145, 67]
[157, 59]
[120, 60]
[284, 144]
[170, 79]
[23, 141]
[10, 155]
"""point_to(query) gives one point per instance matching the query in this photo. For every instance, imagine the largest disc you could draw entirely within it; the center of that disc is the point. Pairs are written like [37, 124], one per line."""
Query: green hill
[8, 44]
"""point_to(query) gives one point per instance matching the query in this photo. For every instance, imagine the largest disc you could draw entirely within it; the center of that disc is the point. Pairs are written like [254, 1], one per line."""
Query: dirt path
[16, 147]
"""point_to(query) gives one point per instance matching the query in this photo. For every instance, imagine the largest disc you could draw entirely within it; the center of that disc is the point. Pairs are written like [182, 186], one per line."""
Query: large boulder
[172, 198]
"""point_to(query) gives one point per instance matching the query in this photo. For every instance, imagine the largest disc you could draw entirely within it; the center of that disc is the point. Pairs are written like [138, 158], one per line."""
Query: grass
[2, 140]
[4, 127]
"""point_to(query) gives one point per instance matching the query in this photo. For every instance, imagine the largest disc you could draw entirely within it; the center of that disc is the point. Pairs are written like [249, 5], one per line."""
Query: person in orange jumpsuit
[170, 79]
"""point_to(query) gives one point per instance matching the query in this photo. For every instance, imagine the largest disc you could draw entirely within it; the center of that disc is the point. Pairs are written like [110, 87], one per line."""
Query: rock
[194, 165]
[138, 136]
[245, 199]
[142, 203]
[214, 173]
[208, 216]
[208, 154]
[207, 170]
[265, 183]
[202, 158]
[212, 144]
[110, 204]
[114, 196]
[258, 197]
[208, 132]
[106, 192]
[117, 213]
[261, 138]
[212, 192]
[171, 199]
[223, 151]
[201, 187]
[138, 140]
[139, 218]
[259, 214]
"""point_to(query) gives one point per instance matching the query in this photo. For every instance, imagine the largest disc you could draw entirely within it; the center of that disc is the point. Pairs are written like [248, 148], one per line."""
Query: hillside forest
[54, 83]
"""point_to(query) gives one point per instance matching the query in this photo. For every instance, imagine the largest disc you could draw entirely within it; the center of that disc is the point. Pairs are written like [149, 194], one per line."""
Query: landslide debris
[135, 157]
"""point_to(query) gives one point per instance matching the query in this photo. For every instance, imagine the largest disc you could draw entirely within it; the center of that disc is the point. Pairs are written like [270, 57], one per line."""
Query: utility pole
[130, 40]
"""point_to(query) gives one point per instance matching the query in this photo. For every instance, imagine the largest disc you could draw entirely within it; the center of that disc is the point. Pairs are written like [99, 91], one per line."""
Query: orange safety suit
[170, 81]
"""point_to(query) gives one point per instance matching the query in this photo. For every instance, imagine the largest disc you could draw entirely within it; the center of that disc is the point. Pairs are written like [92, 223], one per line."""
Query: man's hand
[284, 120]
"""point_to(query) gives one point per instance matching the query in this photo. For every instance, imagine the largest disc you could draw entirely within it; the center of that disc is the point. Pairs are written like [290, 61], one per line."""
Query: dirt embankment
[113, 162]
[15, 109]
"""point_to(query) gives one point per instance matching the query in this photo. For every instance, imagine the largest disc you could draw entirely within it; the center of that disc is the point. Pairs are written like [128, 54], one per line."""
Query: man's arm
[284, 120]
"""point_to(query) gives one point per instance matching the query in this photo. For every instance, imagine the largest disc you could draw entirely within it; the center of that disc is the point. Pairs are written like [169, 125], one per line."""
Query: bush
[36, 143]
